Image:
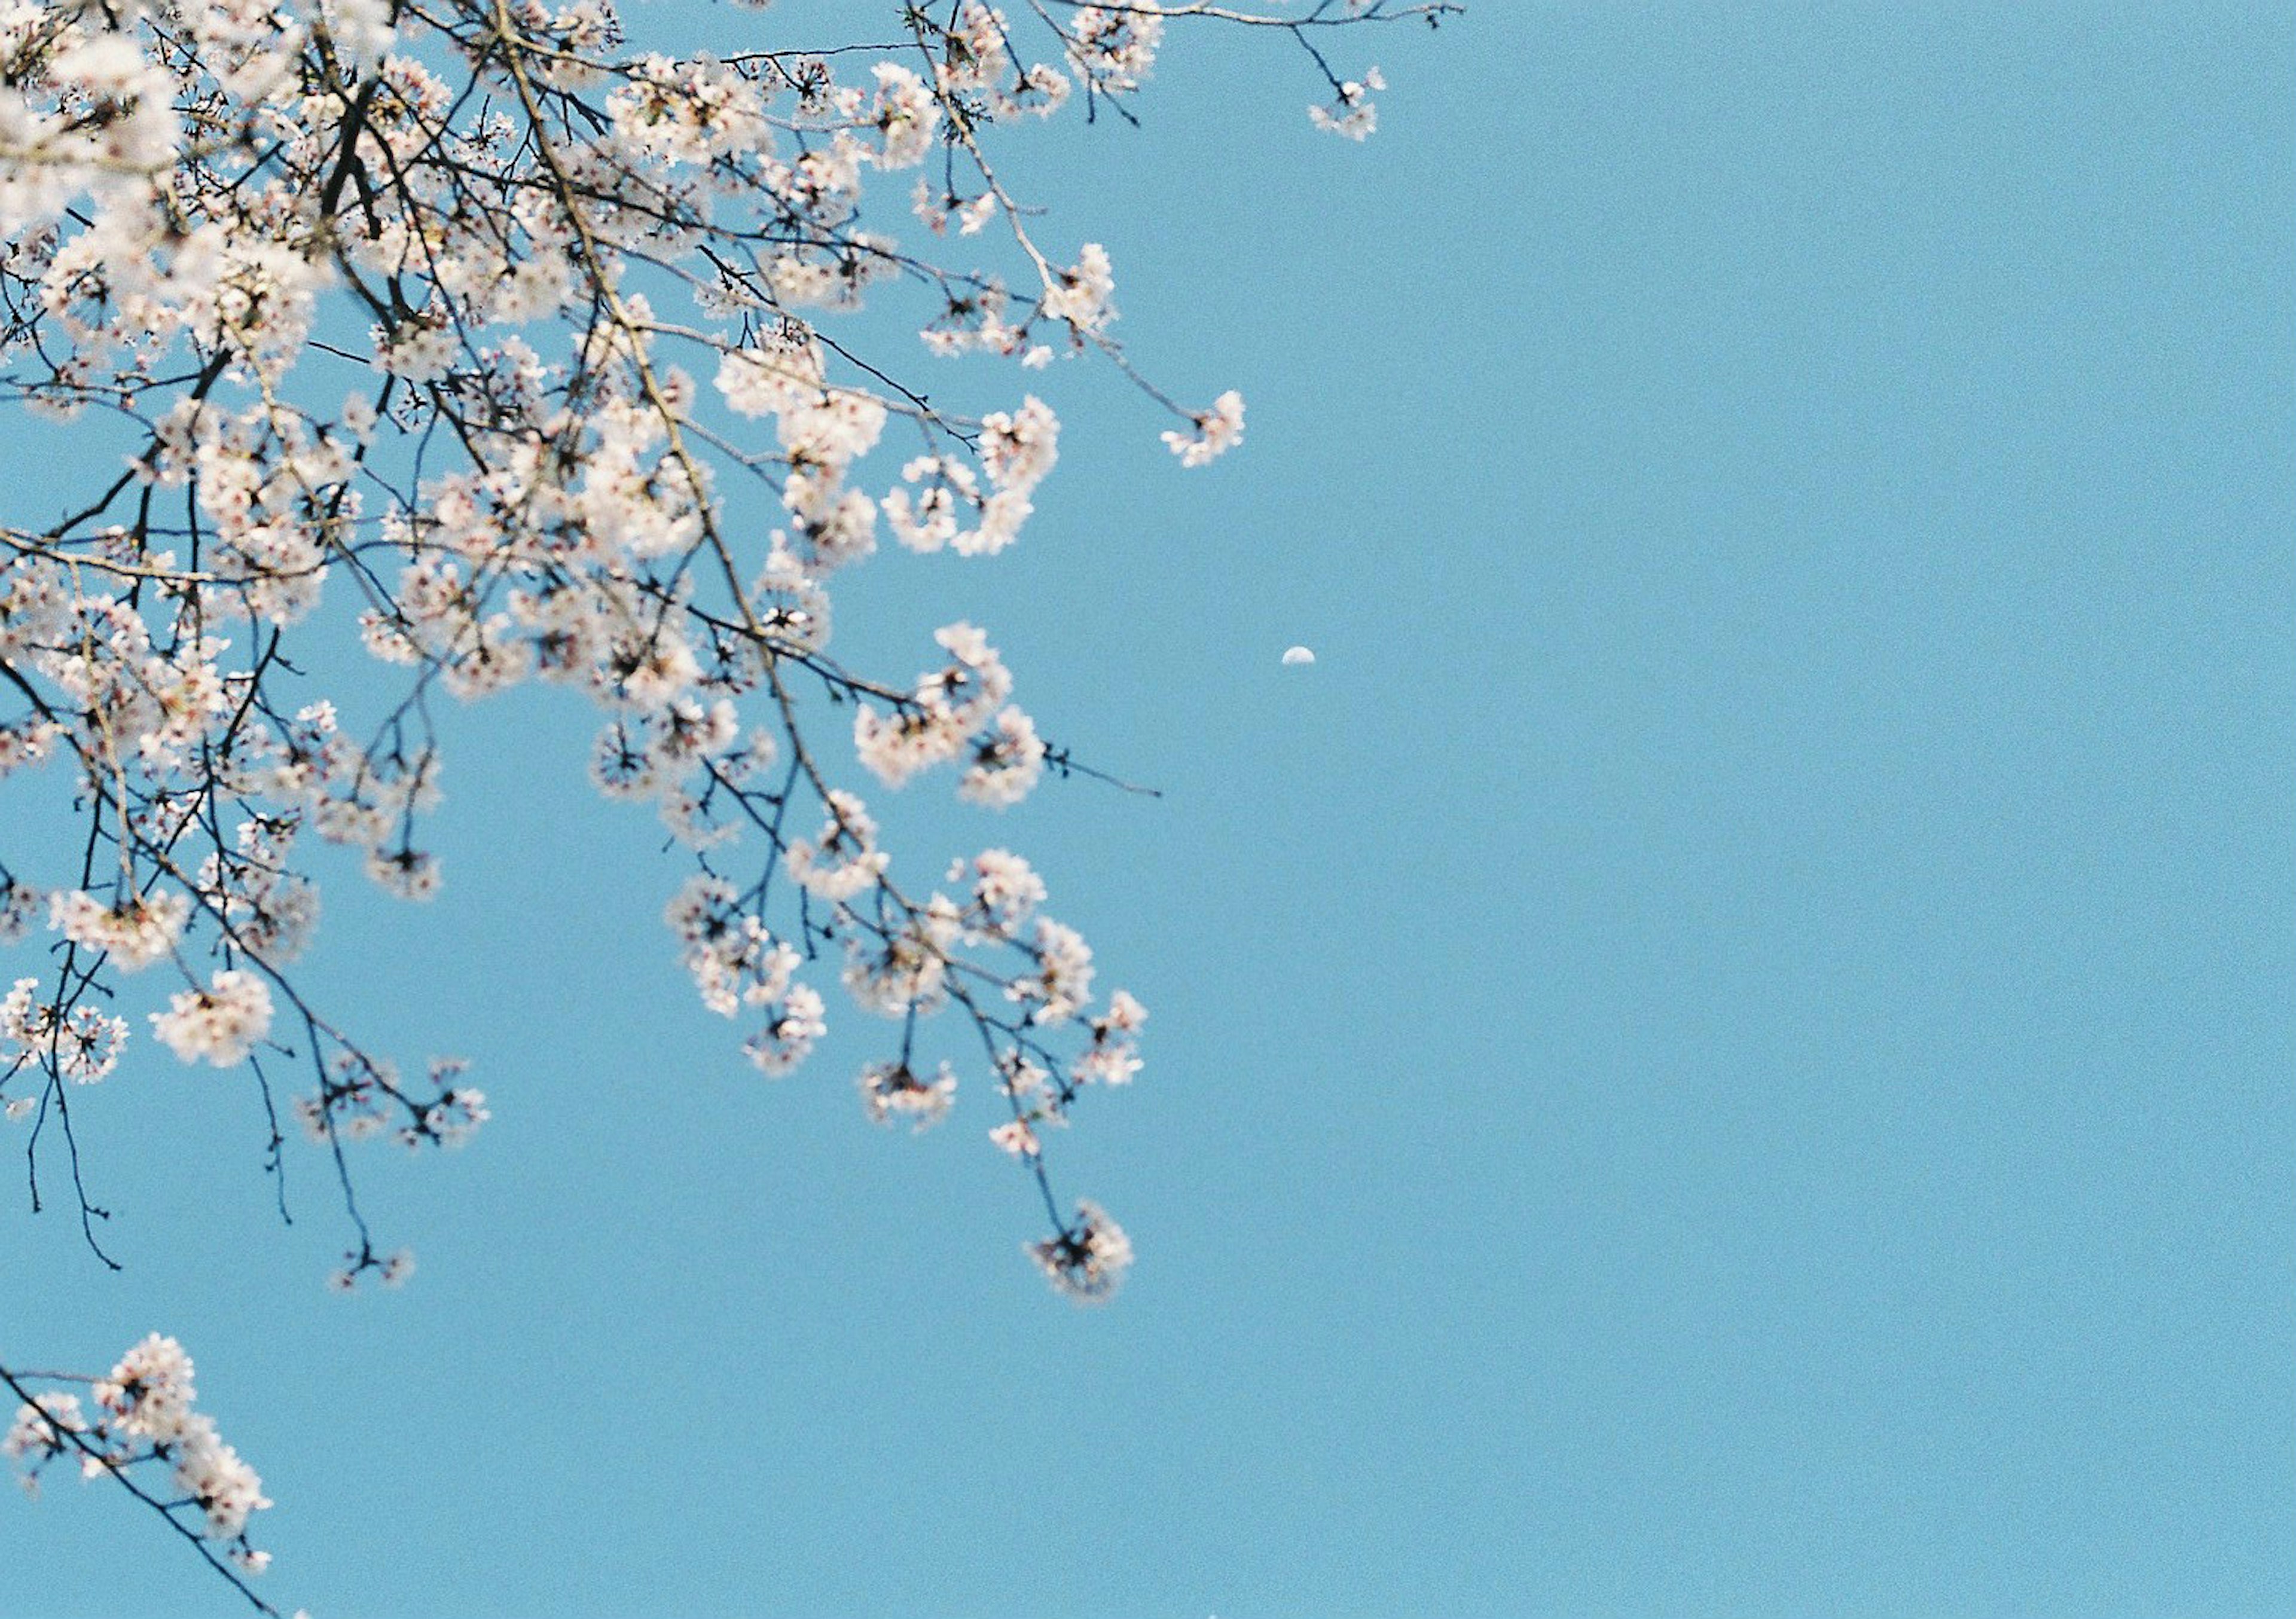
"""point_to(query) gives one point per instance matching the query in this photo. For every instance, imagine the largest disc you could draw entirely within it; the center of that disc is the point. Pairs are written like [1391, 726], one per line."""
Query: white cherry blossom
[510, 342]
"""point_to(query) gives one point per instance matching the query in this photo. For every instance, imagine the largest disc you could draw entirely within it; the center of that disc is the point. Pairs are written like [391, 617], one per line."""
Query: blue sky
[1726, 1051]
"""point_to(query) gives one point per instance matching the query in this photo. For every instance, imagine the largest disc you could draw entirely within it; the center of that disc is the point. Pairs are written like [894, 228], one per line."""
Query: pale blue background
[1727, 1051]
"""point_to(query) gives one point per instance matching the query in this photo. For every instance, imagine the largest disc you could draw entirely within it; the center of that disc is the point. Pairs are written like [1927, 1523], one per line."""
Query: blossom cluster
[140, 1416]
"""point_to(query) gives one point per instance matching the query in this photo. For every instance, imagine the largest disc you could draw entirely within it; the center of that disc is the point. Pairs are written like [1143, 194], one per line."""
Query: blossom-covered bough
[479, 333]
[137, 1425]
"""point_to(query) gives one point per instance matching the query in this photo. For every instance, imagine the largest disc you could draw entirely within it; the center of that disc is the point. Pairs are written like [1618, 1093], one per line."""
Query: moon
[1298, 655]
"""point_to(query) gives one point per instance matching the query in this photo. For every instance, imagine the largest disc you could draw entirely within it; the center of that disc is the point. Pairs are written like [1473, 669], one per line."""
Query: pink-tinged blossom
[1061, 983]
[1217, 430]
[891, 1091]
[1113, 1057]
[1018, 450]
[1085, 294]
[843, 859]
[907, 116]
[1008, 760]
[222, 1485]
[220, 1024]
[1005, 892]
[85, 1043]
[1356, 116]
[451, 1121]
[1088, 1261]
[41, 1433]
[905, 971]
[791, 1031]
[149, 1393]
[735, 961]
[1114, 47]
[1015, 1137]
[20, 904]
